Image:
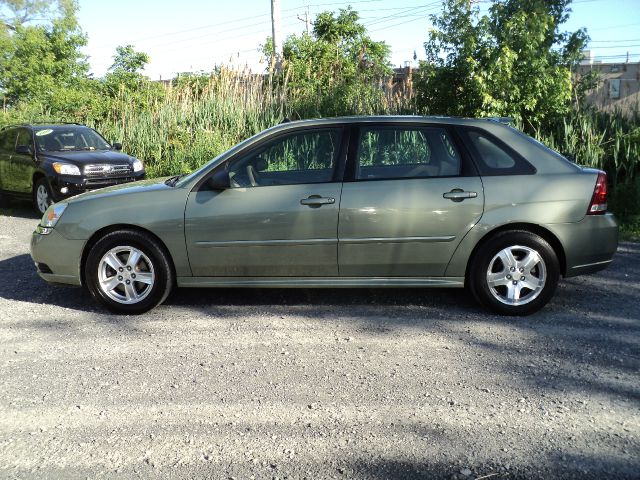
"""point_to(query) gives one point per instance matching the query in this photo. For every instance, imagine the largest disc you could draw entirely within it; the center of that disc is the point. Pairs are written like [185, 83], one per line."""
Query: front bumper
[66, 186]
[57, 258]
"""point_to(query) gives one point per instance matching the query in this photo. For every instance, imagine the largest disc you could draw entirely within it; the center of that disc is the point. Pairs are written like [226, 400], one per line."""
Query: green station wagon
[343, 202]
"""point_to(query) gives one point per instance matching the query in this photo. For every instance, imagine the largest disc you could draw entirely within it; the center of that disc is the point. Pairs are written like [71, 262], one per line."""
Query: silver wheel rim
[126, 275]
[516, 275]
[42, 198]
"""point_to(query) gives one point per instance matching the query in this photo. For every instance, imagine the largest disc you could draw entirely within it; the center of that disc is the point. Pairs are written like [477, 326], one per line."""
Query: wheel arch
[37, 175]
[522, 226]
[113, 228]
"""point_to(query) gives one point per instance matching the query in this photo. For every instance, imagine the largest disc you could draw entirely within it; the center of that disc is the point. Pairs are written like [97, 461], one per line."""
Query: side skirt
[320, 282]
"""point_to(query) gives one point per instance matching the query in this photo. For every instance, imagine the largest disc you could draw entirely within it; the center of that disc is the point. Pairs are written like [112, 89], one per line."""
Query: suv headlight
[50, 218]
[137, 165]
[66, 169]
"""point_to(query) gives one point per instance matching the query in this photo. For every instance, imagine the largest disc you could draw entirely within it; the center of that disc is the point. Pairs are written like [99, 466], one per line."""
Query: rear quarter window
[494, 157]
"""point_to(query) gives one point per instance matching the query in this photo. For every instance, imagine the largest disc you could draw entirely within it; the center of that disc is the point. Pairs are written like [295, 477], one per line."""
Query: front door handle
[315, 201]
[458, 195]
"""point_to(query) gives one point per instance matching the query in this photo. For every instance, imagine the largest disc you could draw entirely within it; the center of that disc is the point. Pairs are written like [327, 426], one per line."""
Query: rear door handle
[458, 195]
[315, 201]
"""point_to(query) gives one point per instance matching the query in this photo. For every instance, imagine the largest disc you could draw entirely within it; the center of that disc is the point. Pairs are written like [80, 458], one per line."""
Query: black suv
[47, 163]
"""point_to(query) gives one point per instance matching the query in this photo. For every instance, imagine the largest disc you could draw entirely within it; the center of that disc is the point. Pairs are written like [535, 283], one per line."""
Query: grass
[630, 228]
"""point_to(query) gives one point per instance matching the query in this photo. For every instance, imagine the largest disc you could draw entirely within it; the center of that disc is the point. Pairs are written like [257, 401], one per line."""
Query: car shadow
[19, 208]
[20, 281]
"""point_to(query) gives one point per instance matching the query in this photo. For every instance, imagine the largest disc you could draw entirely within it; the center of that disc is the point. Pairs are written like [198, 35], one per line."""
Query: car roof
[399, 119]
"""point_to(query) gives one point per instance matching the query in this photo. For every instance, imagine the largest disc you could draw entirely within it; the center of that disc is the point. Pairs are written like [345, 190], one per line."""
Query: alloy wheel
[516, 275]
[126, 275]
[42, 198]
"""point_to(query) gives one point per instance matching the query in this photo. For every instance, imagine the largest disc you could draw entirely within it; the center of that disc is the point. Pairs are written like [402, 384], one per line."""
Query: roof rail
[53, 123]
[505, 120]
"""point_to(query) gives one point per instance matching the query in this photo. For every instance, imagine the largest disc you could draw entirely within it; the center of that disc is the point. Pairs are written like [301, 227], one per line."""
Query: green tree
[336, 69]
[124, 81]
[19, 12]
[515, 61]
[127, 60]
[38, 61]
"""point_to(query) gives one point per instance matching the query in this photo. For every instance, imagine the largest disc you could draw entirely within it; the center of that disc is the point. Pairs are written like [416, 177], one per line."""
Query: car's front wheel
[128, 272]
[514, 273]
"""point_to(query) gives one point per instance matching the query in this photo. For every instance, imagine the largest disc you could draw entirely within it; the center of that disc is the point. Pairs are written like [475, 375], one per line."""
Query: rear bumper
[589, 245]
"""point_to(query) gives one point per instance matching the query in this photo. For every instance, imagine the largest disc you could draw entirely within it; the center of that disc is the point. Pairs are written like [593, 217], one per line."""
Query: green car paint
[400, 232]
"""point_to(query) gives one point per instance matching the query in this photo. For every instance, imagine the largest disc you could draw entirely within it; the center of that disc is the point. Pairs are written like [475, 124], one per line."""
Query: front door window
[302, 158]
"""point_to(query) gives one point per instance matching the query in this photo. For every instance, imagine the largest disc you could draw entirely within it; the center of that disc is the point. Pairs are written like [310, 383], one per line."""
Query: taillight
[598, 204]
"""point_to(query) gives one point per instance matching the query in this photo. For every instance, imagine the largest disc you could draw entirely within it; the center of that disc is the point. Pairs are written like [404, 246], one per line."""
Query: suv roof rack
[27, 124]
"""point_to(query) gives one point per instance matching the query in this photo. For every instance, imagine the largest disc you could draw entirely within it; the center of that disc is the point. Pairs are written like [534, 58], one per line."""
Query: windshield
[68, 138]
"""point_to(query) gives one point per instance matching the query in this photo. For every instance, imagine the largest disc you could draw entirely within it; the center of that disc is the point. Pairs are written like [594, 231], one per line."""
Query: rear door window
[406, 152]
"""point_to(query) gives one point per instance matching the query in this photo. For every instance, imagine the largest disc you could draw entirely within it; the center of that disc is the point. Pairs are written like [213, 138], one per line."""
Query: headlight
[51, 217]
[66, 169]
[137, 166]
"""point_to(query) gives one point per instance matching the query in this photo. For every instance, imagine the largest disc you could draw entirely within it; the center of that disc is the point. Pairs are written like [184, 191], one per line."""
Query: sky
[197, 35]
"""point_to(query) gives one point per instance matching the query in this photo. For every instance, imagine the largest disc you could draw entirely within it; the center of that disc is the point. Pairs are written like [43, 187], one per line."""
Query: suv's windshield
[67, 138]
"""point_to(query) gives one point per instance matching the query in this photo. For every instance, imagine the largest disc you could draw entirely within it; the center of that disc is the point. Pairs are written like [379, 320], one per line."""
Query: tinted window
[405, 152]
[24, 138]
[8, 141]
[493, 158]
[308, 157]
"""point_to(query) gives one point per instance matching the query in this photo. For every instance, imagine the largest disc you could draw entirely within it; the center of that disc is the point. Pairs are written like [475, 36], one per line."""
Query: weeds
[196, 119]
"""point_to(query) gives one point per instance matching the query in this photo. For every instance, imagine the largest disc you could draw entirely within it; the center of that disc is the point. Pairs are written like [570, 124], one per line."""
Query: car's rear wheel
[128, 272]
[514, 273]
[42, 196]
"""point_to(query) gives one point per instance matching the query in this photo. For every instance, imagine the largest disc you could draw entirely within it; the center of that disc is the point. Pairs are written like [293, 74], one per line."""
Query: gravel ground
[364, 383]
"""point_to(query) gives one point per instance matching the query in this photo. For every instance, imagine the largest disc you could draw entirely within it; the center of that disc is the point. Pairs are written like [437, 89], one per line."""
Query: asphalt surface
[364, 383]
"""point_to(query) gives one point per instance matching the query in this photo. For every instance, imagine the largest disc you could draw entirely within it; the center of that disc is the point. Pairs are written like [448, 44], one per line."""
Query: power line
[408, 10]
[396, 24]
[619, 46]
[610, 27]
[615, 41]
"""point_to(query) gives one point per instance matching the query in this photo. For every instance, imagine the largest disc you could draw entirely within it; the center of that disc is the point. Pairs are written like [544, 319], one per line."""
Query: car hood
[142, 186]
[85, 157]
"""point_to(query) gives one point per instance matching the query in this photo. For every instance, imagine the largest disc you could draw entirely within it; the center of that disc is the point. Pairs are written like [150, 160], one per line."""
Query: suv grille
[107, 170]
[106, 182]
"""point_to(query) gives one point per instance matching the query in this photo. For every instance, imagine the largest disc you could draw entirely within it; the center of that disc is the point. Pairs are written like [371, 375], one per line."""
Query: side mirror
[24, 150]
[117, 146]
[219, 180]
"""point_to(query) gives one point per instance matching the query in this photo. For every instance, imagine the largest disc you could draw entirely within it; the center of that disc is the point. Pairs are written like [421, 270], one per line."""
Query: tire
[514, 273]
[42, 196]
[124, 284]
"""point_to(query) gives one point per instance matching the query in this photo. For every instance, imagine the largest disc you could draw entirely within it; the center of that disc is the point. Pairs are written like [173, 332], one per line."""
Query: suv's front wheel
[42, 196]
[128, 272]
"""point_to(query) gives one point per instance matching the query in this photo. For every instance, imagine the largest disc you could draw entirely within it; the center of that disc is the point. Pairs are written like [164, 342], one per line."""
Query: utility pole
[307, 23]
[276, 35]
